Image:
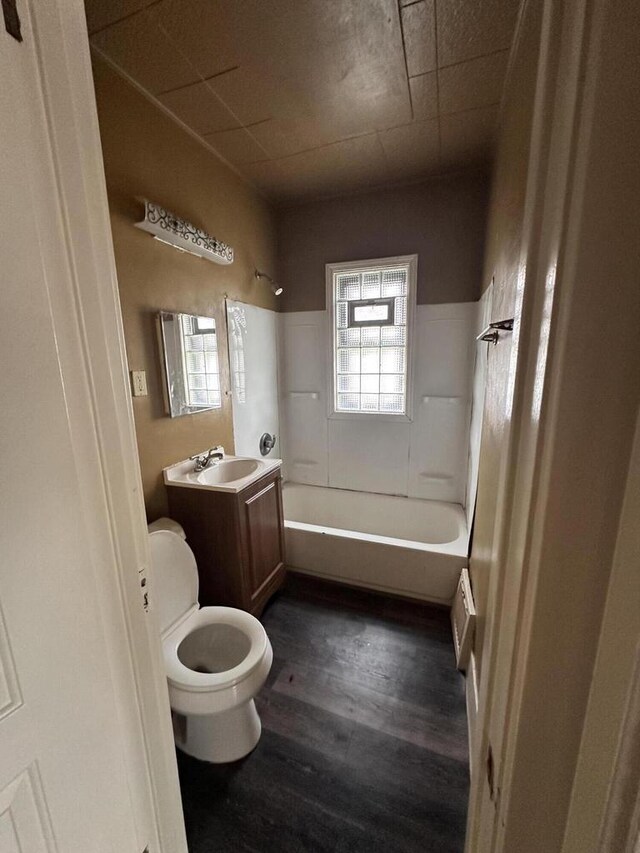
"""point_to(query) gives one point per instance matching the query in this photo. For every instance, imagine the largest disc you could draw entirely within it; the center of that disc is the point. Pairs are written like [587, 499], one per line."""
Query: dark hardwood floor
[364, 742]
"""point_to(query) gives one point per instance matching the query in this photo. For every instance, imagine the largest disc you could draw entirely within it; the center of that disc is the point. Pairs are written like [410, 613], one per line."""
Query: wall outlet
[139, 383]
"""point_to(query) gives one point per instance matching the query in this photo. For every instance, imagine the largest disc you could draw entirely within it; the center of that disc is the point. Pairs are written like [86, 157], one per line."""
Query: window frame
[357, 303]
[331, 270]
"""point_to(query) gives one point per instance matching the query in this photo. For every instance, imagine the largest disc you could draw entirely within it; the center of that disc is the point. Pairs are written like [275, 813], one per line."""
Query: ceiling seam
[435, 33]
[213, 92]
[376, 132]
[471, 109]
[474, 57]
[321, 147]
[422, 74]
[124, 18]
[238, 127]
[462, 62]
[181, 124]
[199, 81]
[404, 53]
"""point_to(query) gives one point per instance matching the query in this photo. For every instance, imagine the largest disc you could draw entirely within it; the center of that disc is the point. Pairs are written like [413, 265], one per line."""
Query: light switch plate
[139, 383]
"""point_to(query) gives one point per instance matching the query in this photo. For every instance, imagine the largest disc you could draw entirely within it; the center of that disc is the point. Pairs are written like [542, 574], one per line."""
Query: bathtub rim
[457, 547]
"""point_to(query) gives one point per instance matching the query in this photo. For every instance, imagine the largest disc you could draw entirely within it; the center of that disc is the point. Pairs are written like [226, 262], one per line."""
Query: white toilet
[216, 658]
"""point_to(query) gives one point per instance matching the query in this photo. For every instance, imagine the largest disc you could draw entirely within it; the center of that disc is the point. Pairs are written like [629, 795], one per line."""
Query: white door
[73, 773]
[253, 362]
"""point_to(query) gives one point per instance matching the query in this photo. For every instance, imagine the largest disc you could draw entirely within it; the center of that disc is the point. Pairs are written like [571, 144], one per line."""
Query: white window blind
[370, 339]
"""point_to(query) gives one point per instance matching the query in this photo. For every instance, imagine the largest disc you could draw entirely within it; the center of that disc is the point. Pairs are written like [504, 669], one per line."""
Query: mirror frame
[172, 375]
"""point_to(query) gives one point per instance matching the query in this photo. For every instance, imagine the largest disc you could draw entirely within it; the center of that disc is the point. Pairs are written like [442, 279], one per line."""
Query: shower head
[275, 287]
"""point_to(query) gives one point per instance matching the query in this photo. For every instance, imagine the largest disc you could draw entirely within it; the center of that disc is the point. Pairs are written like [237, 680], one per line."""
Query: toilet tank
[167, 524]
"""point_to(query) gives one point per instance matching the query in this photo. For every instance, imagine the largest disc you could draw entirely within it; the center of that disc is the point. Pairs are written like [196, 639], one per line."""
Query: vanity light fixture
[275, 287]
[182, 235]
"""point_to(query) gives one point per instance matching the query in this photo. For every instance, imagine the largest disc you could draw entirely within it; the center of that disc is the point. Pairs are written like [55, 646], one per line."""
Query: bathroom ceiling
[309, 98]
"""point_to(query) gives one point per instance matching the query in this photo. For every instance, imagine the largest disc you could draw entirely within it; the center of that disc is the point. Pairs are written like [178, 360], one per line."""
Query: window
[371, 306]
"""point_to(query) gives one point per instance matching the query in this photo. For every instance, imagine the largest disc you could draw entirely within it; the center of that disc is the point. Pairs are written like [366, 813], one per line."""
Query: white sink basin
[228, 471]
[231, 474]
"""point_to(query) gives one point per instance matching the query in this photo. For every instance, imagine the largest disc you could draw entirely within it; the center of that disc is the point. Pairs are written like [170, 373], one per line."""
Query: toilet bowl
[216, 658]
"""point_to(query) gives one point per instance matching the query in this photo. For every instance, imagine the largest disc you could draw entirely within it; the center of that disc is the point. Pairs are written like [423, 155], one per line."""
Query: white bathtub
[401, 545]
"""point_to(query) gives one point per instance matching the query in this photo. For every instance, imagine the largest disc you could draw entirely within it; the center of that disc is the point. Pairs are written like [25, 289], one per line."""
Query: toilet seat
[181, 676]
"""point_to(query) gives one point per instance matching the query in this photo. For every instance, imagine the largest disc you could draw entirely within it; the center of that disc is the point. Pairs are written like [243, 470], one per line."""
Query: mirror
[191, 368]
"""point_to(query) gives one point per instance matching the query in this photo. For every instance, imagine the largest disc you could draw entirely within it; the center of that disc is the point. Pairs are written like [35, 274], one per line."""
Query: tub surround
[379, 503]
[253, 355]
[424, 458]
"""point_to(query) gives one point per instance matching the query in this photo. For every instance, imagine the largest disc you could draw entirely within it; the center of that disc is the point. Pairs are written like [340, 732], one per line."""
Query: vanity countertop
[230, 474]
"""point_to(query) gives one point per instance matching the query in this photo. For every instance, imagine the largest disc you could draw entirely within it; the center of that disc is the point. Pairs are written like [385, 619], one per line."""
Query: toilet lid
[173, 578]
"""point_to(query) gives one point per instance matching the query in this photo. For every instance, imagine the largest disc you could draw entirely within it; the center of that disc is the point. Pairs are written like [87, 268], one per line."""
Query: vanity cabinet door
[237, 539]
[264, 541]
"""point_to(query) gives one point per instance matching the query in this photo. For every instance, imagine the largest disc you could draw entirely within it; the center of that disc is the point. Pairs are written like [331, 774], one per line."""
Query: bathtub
[400, 545]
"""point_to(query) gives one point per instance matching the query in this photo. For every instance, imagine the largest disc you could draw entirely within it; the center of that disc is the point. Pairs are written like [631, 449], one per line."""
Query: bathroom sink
[230, 474]
[228, 471]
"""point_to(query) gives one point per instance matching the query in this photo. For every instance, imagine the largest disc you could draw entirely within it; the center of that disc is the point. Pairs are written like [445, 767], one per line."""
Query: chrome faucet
[203, 461]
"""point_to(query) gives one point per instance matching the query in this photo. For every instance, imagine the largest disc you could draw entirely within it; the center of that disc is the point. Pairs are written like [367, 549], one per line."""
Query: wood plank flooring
[364, 743]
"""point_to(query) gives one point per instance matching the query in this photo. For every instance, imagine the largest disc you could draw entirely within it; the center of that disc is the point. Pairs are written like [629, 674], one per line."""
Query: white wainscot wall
[303, 397]
[253, 360]
[425, 458]
[444, 353]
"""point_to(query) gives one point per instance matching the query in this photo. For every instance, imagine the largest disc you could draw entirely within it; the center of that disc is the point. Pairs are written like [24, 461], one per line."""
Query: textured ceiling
[316, 97]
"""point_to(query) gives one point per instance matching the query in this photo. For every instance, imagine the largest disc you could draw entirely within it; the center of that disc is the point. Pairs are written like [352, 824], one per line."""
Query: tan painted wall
[147, 154]
[442, 220]
[503, 262]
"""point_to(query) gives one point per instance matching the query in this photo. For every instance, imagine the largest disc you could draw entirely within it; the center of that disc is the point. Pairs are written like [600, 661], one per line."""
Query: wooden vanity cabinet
[237, 539]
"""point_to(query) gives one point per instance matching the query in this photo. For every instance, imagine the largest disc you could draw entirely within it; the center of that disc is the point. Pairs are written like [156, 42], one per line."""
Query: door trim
[86, 315]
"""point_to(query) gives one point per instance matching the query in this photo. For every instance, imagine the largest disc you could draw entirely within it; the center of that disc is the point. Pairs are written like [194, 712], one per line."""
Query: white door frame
[572, 76]
[86, 315]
